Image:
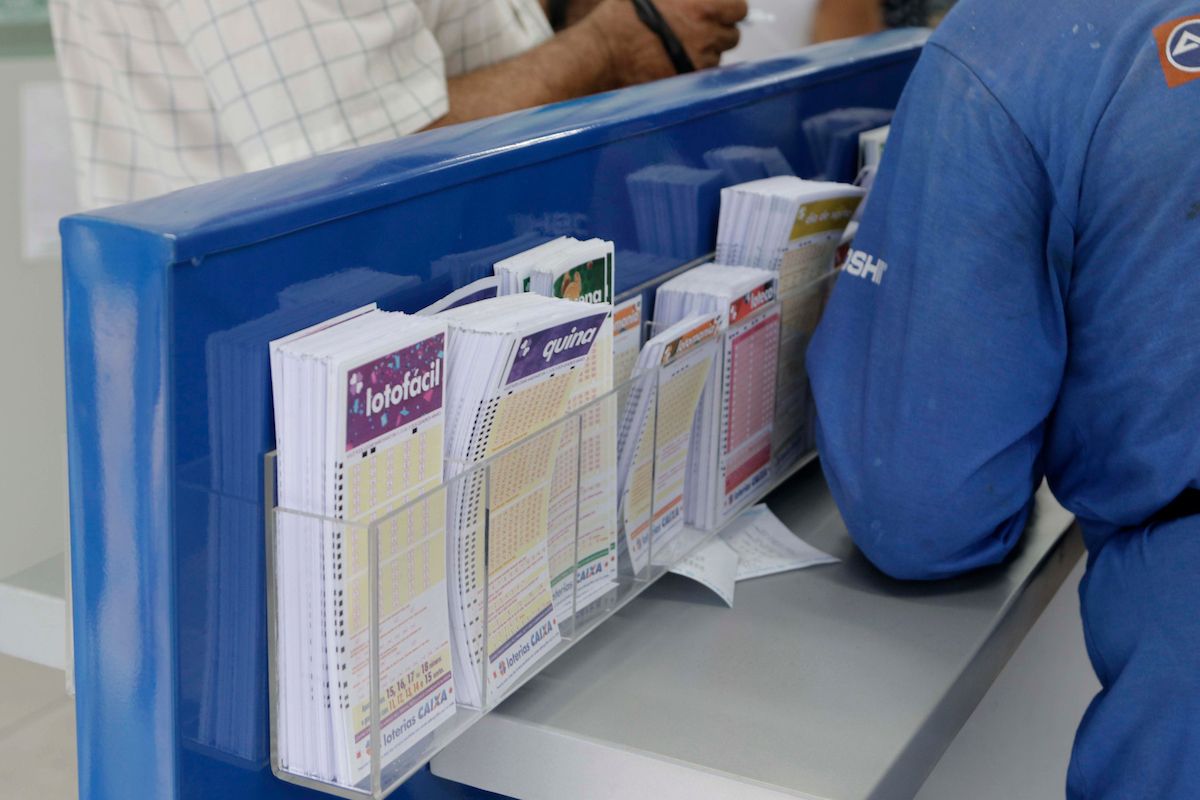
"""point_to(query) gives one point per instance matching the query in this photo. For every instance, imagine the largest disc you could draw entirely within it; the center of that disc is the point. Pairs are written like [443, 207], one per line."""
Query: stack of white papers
[832, 137]
[237, 364]
[359, 431]
[763, 222]
[673, 208]
[731, 449]
[585, 479]
[515, 363]
[741, 163]
[563, 267]
[239, 431]
[470, 266]
[656, 432]
[870, 146]
[793, 227]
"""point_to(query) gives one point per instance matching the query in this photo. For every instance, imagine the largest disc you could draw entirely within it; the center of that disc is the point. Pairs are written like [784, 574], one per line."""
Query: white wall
[32, 408]
[776, 28]
[36, 174]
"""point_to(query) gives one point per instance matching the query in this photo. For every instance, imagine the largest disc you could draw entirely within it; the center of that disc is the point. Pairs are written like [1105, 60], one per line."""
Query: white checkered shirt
[164, 94]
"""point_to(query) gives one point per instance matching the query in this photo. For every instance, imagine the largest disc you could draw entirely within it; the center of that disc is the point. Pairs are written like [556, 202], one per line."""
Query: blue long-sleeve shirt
[1027, 301]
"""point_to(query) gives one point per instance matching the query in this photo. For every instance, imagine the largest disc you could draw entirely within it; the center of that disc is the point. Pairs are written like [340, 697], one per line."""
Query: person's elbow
[914, 525]
[935, 547]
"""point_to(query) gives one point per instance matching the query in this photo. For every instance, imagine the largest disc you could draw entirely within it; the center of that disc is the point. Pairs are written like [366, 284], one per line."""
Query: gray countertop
[834, 682]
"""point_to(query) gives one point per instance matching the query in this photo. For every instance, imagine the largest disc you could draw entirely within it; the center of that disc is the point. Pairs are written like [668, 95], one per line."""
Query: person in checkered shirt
[164, 94]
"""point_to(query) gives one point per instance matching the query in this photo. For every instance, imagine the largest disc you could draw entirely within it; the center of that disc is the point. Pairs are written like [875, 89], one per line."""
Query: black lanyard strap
[556, 14]
[652, 18]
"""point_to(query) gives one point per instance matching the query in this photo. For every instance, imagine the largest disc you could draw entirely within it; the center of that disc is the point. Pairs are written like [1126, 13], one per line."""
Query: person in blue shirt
[1027, 304]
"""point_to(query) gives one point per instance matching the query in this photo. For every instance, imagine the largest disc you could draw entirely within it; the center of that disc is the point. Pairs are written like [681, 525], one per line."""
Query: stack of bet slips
[359, 422]
[832, 138]
[554, 269]
[673, 208]
[237, 365]
[764, 223]
[731, 449]
[585, 496]
[741, 163]
[469, 266]
[656, 432]
[516, 362]
[793, 227]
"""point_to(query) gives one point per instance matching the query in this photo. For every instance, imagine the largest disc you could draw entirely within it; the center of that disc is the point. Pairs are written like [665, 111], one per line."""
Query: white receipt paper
[715, 565]
[755, 544]
[766, 546]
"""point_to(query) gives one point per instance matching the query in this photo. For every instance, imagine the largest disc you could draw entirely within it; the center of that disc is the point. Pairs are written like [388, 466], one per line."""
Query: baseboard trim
[33, 626]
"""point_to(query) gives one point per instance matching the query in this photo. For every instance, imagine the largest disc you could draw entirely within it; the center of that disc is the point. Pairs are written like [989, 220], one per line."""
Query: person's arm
[941, 353]
[839, 19]
[293, 78]
[607, 49]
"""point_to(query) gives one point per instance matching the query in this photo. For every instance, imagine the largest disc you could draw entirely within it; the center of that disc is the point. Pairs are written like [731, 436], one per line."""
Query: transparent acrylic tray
[390, 635]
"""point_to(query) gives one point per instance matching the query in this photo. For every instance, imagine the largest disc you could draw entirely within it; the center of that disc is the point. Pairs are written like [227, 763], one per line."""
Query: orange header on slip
[627, 317]
[704, 332]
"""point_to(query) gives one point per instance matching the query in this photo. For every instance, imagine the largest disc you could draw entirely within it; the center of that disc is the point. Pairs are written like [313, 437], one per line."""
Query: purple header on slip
[394, 391]
[555, 345]
[483, 294]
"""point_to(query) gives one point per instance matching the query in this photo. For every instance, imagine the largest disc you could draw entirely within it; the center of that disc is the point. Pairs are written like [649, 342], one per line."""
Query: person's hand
[706, 28]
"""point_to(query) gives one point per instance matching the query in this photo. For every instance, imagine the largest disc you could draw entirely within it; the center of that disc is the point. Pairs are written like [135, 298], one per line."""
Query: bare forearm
[572, 64]
[838, 19]
[608, 49]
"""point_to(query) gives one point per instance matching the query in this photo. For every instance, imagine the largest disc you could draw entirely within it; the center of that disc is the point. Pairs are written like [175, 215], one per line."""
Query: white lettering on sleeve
[864, 265]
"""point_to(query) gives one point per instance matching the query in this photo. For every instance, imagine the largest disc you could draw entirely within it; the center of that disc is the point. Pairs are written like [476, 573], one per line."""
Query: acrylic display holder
[385, 570]
[170, 303]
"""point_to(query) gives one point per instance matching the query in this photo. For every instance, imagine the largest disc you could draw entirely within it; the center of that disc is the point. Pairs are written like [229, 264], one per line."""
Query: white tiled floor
[37, 733]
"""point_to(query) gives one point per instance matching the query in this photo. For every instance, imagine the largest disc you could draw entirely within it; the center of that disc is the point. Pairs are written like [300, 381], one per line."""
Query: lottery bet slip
[583, 524]
[655, 435]
[359, 415]
[731, 450]
[441, 432]
[792, 227]
[514, 364]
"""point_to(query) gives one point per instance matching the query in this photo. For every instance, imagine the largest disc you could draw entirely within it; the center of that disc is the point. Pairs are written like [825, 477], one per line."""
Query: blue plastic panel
[170, 304]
